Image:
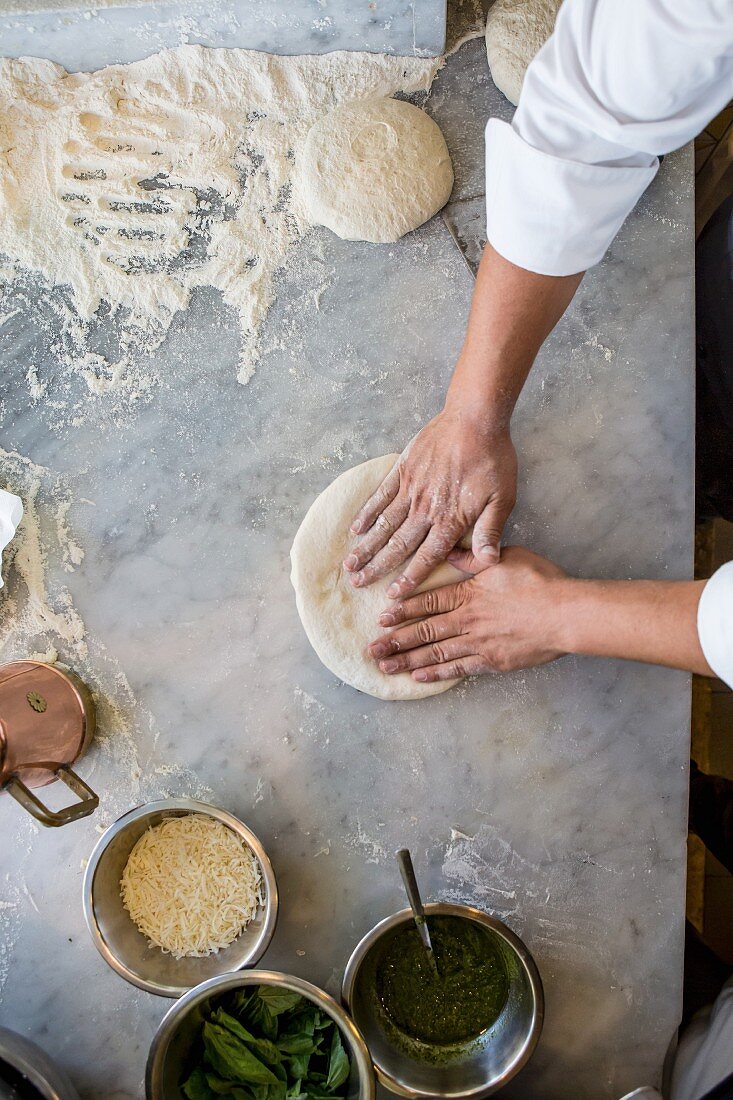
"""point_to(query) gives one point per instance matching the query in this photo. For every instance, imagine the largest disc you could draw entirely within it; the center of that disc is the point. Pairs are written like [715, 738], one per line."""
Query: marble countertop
[83, 37]
[554, 798]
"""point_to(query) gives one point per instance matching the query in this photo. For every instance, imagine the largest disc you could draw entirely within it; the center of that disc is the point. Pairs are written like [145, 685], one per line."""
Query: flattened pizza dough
[341, 620]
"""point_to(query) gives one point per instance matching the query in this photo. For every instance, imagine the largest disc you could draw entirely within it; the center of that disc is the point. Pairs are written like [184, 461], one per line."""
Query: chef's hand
[461, 469]
[497, 620]
[458, 471]
[526, 611]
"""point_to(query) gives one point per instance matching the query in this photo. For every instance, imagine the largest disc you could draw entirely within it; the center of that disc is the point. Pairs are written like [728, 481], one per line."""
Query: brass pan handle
[87, 804]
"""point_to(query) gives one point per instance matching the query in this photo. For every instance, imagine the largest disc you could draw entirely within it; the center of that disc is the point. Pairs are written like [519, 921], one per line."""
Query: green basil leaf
[270, 1092]
[300, 1021]
[263, 1048]
[298, 1065]
[269, 1044]
[258, 1017]
[279, 1000]
[231, 1058]
[296, 1044]
[338, 1066]
[220, 1087]
[197, 1087]
[242, 998]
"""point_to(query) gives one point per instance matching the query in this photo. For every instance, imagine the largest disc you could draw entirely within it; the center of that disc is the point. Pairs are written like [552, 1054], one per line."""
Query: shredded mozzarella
[191, 885]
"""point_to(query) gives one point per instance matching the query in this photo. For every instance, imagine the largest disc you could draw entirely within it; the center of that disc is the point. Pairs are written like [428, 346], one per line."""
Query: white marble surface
[83, 36]
[570, 782]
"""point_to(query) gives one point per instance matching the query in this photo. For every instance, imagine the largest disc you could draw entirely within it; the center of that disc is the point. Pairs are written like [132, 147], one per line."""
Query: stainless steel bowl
[476, 1069]
[176, 1039]
[117, 938]
[36, 1067]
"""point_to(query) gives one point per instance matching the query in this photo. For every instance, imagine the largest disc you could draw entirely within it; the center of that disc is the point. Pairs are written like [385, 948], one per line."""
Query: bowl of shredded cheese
[177, 892]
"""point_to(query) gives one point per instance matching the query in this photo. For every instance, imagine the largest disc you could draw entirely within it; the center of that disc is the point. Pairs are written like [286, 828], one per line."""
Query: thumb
[486, 541]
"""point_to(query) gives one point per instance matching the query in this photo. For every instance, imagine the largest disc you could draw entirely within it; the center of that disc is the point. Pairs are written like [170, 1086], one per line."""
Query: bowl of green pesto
[463, 1031]
[258, 1035]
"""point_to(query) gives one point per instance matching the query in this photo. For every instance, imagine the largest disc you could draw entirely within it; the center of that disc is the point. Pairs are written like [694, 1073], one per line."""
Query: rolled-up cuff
[553, 216]
[715, 622]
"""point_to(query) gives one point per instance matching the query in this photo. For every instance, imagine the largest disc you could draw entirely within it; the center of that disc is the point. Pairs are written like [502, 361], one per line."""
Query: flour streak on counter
[132, 186]
[38, 621]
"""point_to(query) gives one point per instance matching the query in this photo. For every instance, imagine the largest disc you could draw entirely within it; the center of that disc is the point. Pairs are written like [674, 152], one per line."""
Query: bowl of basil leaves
[258, 1035]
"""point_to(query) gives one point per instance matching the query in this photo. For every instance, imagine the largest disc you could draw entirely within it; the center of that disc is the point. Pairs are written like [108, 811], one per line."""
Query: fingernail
[379, 649]
[356, 527]
[388, 666]
[393, 590]
[489, 552]
[351, 562]
[386, 619]
[420, 675]
[357, 579]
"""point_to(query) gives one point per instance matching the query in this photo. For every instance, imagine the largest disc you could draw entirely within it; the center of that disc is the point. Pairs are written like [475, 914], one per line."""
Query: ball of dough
[374, 169]
[515, 31]
[341, 620]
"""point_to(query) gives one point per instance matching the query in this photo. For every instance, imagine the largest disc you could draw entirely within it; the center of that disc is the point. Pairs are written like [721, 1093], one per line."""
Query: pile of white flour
[133, 185]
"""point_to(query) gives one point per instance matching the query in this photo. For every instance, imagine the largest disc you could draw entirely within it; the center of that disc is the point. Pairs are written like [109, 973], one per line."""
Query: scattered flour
[538, 899]
[72, 553]
[132, 186]
[609, 354]
[30, 611]
[38, 620]
[373, 850]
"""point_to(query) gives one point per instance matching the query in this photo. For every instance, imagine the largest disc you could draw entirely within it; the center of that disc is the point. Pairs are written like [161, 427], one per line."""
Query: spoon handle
[413, 895]
[408, 877]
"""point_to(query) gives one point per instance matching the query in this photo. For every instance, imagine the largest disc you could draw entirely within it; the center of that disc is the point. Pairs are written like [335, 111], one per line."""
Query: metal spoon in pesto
[413, 896]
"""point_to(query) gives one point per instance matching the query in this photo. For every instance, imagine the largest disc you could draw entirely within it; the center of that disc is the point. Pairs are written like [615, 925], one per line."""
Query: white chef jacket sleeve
[715, 624]
[704, 1055]
[11, 513]
[619, 83]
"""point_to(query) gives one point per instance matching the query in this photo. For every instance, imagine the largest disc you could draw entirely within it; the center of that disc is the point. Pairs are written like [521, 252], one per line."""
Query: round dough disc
[515, 31]
[374, 169]
[341, 620]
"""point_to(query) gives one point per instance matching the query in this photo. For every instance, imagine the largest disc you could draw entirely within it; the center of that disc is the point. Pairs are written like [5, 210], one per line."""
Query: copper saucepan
[47, 721]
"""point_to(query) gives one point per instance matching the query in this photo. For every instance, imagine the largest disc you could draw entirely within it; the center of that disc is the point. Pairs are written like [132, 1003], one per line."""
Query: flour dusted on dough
[374, 170]
[341, 620]
[515, 31]
[138, 183]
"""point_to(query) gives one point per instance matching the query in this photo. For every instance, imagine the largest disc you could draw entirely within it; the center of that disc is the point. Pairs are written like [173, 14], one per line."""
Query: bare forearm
[651, 621]
[460, 471]
[512, 313]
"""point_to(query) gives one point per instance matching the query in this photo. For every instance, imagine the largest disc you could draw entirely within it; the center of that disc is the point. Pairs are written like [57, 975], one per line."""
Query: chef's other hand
[457, 472]
[499, 620]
